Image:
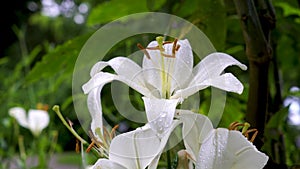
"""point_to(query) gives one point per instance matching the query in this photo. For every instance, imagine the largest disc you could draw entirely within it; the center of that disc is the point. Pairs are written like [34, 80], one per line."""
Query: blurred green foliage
[38, 67]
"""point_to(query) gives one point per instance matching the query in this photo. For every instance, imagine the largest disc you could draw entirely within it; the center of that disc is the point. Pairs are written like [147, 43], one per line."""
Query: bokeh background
[41, 39]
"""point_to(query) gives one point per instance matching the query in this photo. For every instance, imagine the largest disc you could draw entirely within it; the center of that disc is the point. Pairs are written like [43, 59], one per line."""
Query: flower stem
[22, 147]
[169, 159]
[57, 111]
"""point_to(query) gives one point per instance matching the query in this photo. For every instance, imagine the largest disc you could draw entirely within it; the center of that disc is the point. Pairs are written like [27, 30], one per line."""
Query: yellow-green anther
[245, 128]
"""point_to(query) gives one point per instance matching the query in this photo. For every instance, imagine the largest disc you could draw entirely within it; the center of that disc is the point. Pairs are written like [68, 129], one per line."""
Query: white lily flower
[137, 149]
[167, 73]
[36, 120]
[211, 148]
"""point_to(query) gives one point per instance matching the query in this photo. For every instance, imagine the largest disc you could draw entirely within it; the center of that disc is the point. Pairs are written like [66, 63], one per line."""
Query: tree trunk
[256, 26]
[257, 18]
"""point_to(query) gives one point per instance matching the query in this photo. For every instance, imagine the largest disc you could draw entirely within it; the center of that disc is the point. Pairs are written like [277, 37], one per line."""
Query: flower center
[166, 68]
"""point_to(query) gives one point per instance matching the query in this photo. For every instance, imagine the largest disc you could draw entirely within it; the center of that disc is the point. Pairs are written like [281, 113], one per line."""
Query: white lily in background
[35, 121]
[210, 148]
[166, 78]
[137, 149]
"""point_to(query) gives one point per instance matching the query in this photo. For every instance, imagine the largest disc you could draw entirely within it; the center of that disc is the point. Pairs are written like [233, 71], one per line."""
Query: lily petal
[183, 65]
[139, 148]
[163, 141]
[178, 69]
[229, 150]
[209, 73]
[20, 115]
[213, 65]
[107, 164]
[246, 153]
[226, 82]
[94, 87]
[37, 120]
[195, 129]
[95, 109]
[160, 113]
[123, 67]
[102, 78]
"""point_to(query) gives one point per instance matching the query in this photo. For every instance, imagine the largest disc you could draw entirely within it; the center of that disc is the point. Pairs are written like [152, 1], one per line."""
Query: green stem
[57, 111]
[41, 152]
[22, 148]
[169, 159]
[24, 53]
[53, 142]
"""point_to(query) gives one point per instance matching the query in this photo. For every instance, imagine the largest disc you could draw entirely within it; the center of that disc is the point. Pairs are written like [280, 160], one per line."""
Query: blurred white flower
[210, 148]
[166, 78]
[35, 121]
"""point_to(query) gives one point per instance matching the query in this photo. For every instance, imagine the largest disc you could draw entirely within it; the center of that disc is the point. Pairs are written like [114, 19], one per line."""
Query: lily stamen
[77, 147]
[245, 131]
[102, 146]
[90, 146]
[177, 48]
[174, 47]
[144, 50]
[167, 42]
[113, 131]
[168, 56]
[253, 136]
[235, 125]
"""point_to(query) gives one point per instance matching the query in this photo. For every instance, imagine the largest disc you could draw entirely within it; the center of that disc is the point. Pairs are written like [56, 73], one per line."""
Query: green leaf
[61, 59]
[278, 118]
[114, 9]
[209, 16]
[288, 9]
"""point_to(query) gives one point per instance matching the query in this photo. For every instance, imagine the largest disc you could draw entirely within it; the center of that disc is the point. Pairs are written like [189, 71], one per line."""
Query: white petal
[20, 115]
[37, 120]
[152, 67]
[213, 153]
[209, 73]
[94, 87]
[229, 150]
[226, 82]
[136, 149]
[102, 78]
[213, 65]
[123, 67]
[195, 129]
[107, 164]
[95, 109]
[139, 148]
[160, 113]
[246, 153]
[178, 69]
[183, 65]
[163, 141]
